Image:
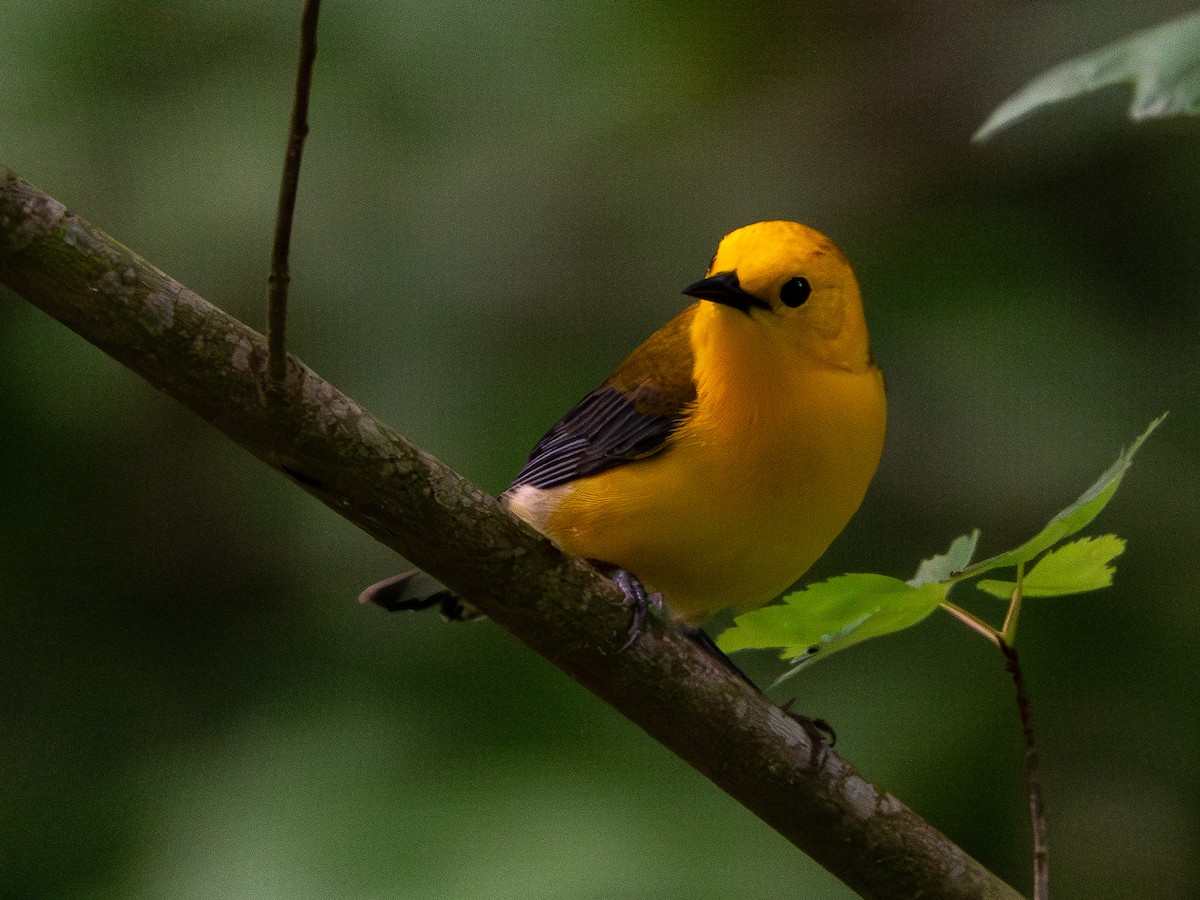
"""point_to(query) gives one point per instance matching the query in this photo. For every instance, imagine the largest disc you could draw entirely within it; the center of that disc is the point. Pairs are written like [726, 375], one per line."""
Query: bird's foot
[640, 599]
[820, 734]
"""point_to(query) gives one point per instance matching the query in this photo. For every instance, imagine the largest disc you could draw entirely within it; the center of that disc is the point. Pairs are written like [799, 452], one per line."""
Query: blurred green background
[499, 200]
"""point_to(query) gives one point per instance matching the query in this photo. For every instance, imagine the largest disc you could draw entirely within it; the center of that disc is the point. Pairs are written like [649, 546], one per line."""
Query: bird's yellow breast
[771, 461]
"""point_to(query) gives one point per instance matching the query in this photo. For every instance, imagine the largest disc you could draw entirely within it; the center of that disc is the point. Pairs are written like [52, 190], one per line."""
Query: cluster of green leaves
[1162, 63]
[817, 621]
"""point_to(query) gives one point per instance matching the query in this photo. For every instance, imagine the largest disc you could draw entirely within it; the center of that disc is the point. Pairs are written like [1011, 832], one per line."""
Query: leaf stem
[1008, 632]
[973, 622]
[277, 283]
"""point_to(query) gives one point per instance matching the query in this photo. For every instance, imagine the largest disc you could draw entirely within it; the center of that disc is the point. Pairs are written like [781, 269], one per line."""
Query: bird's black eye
[795, 291]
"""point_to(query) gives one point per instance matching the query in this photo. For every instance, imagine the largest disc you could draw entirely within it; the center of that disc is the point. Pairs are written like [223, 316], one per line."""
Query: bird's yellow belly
[736, 508]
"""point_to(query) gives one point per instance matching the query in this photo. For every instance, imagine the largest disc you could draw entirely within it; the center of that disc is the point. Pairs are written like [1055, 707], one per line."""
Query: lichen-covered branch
[559, 606]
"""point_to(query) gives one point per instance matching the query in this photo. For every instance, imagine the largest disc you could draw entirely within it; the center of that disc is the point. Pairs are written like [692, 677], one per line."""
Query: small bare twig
[1005, 638]
[1037, 807]
[277, 284]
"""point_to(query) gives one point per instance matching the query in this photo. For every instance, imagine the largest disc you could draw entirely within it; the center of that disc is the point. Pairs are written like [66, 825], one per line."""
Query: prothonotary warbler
[725, 453]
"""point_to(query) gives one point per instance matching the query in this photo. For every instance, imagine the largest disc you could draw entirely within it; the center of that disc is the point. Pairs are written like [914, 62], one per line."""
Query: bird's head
[793, 281]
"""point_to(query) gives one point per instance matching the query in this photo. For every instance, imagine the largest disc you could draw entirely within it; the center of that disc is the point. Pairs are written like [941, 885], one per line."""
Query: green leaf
[817, 621]
[945, 565]
[1163, 63]
[828, 616]
[1074, 568]
[1076, 516]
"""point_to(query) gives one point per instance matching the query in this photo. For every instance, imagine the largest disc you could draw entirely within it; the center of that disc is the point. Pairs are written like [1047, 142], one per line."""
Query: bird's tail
[416, 590]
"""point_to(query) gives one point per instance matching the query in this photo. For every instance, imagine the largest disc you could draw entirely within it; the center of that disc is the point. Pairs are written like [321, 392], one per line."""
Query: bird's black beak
[724, 288]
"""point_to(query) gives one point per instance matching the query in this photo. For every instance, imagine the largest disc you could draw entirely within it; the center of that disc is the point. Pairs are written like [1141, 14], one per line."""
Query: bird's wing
[630, 416]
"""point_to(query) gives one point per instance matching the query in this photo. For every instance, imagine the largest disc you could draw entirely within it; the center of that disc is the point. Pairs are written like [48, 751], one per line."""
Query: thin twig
[1037, 809]
[1037, 806]
[1004, 639]
[277, 284]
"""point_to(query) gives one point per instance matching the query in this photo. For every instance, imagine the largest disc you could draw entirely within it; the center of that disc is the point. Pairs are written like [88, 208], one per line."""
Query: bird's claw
[640, 599]
[820, 734]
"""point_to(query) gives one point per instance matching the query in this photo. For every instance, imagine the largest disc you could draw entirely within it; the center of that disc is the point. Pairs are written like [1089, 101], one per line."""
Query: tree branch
[402, 496]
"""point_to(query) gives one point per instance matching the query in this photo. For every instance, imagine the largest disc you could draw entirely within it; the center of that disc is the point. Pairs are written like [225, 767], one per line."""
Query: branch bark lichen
[408, 500]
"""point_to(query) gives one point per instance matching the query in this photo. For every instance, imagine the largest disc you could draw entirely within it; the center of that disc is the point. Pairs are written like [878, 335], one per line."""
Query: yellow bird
[724, 455]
